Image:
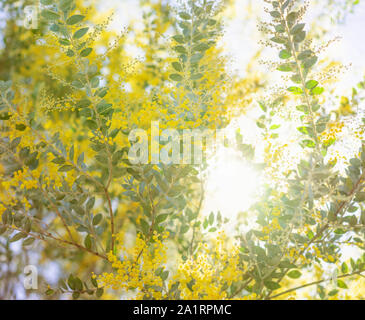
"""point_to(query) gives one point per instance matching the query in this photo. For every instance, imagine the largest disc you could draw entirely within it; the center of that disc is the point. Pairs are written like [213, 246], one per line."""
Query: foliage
[70, 194]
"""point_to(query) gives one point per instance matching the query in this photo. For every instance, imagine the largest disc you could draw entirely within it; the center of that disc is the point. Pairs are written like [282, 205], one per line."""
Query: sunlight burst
[231, 182]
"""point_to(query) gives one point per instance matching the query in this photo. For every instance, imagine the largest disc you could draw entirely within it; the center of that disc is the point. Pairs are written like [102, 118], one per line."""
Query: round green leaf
[294, 274]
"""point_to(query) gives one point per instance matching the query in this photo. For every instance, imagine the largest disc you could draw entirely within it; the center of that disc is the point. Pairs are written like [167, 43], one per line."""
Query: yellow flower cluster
[345, 107]
[325, 257]
[274, 225]
[2, 209]
[137, 267]
[211, 271]
[333, 130]
[23, 178]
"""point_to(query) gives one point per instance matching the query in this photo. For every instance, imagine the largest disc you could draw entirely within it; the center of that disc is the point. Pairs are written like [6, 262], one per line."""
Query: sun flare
[232, 184]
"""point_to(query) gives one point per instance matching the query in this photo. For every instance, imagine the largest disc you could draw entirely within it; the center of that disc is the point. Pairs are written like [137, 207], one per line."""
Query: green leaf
[299, 37]
[184, 229]
[97, 219]
[310, 62]
[179, 38]
[279, 28]
[103, 106]
[145, 227]
[271, 285]
[91, 124]
[5, 116]
[70, 53]
[164, 275]
[311, 84]
[260, 125]
[294, 274]
[177, 66]
[305, 54]
[94, 82]
[65, 42]
[262, 106]
[296, 78]
[65, 168]
[279, 40]
[292, 16]
[46, 2]
[180, 49]
[54, 27]
[90, 204]
[297, 28]
[75, 295]
[308, 143]
[83, 103]
[360, 197]
[196, 76]
[355, 162]
[333, 292]
[75, 19]
[94, 282]
[196, 57]
[101, 92]
[72, 153]
[20, 127]
[284, 54]
[315, 107]
[275, 126]
[184, 15]
[201, 47]
[78, 284]
[78, 84]
[80, 159]
[14, 143]
[162, 217]
[341, 284]
[80, 33]
[211, 218]
[87, 242]
[71, 282]
[49, 292]
[295, 90]
[85, 52]
[65, 5]
[317, 91]
[303, 130]
[159, 271]
[285, 5]
[321, 127]
[50, 15]
[99, 292]
[176, 77]
[17, 237]
[28, 242]
[286, 67]
[275, 14]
